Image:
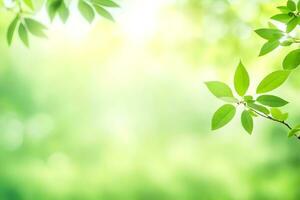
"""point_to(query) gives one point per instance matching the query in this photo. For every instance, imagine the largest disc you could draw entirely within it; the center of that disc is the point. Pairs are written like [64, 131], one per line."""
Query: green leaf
[272, 81]
[292, 24]
[252, 113]
[86, 11]
[284, 18]
[35, 27]
[241, 80]
[247, 121]
[269, 34]
[63, 12]
[271, 101]
[52, 8]
[284, 9]
[248, 98]
[106, 3]
[229, 99]
[298, 5]
[11, 29]
[29, 4]
[219, 89]
[104, 13]
[291, 5]
[271, 25]
[293, 132]
[292, 60]
[23, 34]
[287, 42]
[278, 114]
[268, 47]
[259, 108]
[223, 116]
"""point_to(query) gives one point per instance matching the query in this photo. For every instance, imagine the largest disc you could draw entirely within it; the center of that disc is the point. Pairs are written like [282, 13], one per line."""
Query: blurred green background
[119, 110]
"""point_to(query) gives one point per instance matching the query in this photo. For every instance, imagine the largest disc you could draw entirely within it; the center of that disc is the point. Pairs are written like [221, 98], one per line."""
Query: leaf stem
[273, 119]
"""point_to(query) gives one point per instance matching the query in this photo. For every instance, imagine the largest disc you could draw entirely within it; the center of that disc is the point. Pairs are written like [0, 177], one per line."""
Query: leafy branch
[25, 23]
[264, 105]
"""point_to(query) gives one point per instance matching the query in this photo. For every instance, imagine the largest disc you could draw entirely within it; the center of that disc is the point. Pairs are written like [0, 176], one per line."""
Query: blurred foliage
[120, 111]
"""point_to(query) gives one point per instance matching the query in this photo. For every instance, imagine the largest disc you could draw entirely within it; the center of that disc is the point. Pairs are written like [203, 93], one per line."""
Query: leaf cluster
[262, 104]
[26, 25]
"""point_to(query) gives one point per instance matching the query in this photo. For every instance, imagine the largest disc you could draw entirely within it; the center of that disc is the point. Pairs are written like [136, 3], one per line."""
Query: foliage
[263, 105]
[24, 11]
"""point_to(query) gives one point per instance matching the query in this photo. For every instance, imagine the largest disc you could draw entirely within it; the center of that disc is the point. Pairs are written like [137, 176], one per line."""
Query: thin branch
[273, 119]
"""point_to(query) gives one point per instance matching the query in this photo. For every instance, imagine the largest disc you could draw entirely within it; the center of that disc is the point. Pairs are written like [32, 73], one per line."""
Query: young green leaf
[287, 42]
[29, 4]
[252, 113]
[247, 121]
[269, 34]
[284, 9]
[277, 114]
[271, 101]
[63, 12]
[23, 34]
[292, 60]
[284, 18]
[298, 6]
[292, 24]
[104, 13]
[259, 108]
[219, 89]
[272, 81]
[268, 47]
[35, 27]
[86, 10]
[291, 5]
[223, 116]
[53, 7]
[241, 80]
[106, 3]
[11, 29]
[249, 99]
[293, 132]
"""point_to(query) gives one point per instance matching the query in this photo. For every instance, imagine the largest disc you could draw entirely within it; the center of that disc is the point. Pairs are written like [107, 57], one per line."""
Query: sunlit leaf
[86, 11]
[272, 81]
[291, 5]
[268, 47]
[23, 34]
[29, 4]
[271, 101]
[223, 116]
[278, 114]
[219, 89]
[259, 108]
[284, 18]
[270, 34]
[106, 3]
[241, 80]
[292, 60]
[292, 24]
[294, 132]
[104, 13]
[52, 7]
[284, 9]
[63, 12]
[11, 29]
[247, 121]
[35, 27]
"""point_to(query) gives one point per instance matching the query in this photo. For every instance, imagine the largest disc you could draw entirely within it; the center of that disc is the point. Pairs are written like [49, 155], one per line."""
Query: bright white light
[140, 18]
